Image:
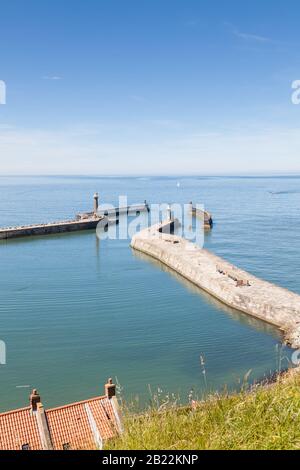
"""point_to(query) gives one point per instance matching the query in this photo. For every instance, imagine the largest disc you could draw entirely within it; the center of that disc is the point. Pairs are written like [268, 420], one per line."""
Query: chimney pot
[110, 389]
[34, 399]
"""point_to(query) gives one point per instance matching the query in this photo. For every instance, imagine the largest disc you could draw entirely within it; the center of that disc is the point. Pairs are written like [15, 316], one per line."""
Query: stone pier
[51, 228]
[226, 282]
[83, 221]
[203, 215]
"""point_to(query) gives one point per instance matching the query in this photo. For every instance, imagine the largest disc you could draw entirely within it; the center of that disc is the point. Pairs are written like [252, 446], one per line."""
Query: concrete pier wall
[203, 215]
[52, 228]
[83, 221]
[231, 285]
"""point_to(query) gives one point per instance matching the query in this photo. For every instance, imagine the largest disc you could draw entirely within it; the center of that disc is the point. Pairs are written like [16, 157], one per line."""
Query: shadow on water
[236, 315]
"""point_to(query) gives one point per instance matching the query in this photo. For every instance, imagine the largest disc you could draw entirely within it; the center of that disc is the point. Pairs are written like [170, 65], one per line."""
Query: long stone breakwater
[51, 228]
[229, 284]
[83, 221]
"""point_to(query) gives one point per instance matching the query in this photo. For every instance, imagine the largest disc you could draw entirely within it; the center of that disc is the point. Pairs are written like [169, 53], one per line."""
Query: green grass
[268, 417]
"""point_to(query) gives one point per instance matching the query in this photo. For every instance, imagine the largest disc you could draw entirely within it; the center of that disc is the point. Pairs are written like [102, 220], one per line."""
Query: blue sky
[149, 87]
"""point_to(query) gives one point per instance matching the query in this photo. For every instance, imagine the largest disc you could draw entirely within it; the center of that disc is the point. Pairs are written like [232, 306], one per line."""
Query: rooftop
[81, 425]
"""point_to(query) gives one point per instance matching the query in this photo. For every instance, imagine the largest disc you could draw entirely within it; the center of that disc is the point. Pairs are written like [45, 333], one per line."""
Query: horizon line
[148, 175]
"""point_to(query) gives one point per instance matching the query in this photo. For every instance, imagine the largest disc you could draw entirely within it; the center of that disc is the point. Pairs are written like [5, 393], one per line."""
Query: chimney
[34, 399]
[110, 389]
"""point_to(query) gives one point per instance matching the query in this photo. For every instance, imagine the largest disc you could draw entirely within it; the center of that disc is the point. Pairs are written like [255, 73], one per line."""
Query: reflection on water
[236, 315]
[76, 310]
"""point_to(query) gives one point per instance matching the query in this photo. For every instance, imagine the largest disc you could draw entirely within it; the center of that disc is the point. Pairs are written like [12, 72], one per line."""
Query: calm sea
[75, 311]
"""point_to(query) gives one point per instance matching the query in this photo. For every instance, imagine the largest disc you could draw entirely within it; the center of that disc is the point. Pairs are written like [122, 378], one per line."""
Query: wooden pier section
[224, 281]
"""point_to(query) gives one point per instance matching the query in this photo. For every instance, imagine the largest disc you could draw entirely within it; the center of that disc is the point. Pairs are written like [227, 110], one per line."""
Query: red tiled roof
[104, 416]
[70, 424]
[76, 426]
[17, 428]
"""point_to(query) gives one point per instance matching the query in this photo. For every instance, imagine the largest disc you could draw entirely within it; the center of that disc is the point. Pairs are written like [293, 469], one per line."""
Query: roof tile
[17, 428]
[69, 426]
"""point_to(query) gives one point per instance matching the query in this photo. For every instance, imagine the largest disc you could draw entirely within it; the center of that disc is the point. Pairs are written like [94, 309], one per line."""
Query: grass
[267, 417]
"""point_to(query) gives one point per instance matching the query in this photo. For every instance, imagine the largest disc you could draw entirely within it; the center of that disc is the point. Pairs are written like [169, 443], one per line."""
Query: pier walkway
[51, 228]
[231, 285]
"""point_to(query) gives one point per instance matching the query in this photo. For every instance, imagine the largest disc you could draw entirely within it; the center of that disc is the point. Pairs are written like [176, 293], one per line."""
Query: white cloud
[54, 77]
[167, 123]
[138, 98]
[234, 151]
[251, 37]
